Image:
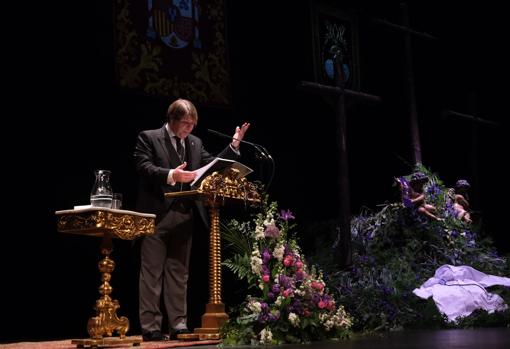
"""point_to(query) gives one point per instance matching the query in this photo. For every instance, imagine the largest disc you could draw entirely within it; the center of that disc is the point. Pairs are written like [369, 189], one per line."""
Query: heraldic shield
[175, 22]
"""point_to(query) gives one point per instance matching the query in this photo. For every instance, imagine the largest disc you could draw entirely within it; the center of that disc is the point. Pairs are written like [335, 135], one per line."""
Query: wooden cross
[409, 75]
[343, 251]
[343, 248]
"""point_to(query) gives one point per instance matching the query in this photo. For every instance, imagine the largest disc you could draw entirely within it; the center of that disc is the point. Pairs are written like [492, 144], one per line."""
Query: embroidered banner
[173, 48]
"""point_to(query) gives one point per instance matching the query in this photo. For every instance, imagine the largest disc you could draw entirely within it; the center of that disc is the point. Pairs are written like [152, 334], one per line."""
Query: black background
[66, 116]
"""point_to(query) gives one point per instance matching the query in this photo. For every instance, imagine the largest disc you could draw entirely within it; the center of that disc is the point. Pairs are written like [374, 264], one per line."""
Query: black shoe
[153, 336]
[175, 333]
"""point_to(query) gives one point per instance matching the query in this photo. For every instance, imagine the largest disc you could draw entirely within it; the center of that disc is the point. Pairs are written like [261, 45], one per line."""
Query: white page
[219, 164]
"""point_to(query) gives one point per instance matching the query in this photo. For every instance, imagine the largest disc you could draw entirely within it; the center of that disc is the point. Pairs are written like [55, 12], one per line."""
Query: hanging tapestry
[173, 48]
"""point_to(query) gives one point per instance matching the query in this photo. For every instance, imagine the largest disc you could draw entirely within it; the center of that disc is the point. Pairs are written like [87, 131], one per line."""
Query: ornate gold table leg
[215, 314]
[106, 321]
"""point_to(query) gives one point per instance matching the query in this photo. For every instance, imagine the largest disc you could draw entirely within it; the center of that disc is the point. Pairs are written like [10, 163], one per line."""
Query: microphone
[261, 150]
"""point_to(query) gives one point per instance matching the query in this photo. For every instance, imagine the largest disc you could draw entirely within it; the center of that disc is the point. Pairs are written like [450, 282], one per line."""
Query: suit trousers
[165, 269]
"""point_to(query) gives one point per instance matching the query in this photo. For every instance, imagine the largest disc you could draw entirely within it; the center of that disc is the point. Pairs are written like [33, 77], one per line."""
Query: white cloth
[458, 291]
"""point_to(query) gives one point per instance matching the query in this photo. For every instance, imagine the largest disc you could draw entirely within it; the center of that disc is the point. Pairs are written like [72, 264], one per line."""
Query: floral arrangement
[290, 302]
[396, 249]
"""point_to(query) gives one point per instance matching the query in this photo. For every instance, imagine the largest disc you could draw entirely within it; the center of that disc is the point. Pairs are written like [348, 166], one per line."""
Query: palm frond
[237, 241]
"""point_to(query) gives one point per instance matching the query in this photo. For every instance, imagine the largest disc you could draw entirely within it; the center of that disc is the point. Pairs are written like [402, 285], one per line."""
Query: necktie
[179, 148]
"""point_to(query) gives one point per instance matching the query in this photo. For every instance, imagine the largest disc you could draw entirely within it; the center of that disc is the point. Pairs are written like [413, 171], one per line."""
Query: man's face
[182, 128]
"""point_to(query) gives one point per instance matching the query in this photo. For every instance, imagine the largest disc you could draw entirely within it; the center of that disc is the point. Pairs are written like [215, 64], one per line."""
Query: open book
[219, 164]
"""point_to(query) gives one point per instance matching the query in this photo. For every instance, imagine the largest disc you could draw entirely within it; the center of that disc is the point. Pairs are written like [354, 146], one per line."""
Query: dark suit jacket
[154, 157]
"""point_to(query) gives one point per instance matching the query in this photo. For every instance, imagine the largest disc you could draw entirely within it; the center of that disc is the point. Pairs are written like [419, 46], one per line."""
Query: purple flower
[297, 307]
[266, 256]
[286, 215]
[263, 318]
[406, 192]
[450, 211]
[433, 190]
[272, 231]
[272, 317]
[284, 281]
[264, 307]
[275, 289]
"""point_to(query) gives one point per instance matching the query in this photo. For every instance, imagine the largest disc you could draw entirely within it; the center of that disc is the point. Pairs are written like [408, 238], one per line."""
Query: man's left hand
[239, 134]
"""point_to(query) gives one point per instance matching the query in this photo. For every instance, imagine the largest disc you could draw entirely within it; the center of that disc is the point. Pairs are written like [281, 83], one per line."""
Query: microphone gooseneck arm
[260, 149]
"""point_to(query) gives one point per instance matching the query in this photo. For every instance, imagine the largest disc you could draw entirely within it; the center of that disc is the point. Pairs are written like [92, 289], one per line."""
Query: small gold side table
[106, 223]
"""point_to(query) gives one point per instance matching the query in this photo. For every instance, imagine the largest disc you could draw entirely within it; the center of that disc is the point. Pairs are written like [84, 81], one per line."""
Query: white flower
[294, 319]
[343, 320]
[338, 320]
[299, 292]
[269, 221]
[278, 301]
[254, 307]
[256, 262]
[278, 252]
[266, 336]
[259, 232]
[327, 321]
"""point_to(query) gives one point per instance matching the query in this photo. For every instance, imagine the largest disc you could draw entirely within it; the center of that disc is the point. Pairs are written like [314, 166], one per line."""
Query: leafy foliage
[395, 250]
[290, 302]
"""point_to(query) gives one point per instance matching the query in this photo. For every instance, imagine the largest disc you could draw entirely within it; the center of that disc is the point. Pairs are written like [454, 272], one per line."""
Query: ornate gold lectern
[106, 223]
[216, 190]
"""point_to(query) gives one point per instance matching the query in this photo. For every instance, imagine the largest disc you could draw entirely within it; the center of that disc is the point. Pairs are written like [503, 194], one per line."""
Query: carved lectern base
[188, 337]
[214, 315]
[106, 342]
[212, 320]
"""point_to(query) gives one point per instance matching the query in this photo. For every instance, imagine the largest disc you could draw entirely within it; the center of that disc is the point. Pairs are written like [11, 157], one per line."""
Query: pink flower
[265, 278]
[272, 231]
[322, 305]
[317, 285]
[299, 264]
[287, 293]
[288, 261]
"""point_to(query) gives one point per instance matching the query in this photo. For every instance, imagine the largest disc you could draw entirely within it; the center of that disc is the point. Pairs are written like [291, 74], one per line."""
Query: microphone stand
[263, 153]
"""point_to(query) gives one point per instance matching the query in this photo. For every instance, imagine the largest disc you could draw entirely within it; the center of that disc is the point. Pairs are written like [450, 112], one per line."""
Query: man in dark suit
[165, 160]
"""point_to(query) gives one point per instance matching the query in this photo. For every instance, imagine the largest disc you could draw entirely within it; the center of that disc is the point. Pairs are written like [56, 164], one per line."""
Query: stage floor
[482, 338]
[485, 338]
